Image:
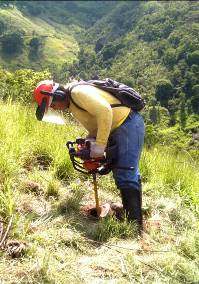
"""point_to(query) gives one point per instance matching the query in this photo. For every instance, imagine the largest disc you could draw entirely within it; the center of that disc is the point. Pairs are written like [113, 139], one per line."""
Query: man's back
[98, 112]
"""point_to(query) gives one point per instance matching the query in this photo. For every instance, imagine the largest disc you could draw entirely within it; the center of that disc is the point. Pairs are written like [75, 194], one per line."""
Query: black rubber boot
[132, 204]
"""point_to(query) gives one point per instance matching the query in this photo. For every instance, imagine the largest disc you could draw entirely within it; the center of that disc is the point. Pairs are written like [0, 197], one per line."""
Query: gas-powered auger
[79, 152]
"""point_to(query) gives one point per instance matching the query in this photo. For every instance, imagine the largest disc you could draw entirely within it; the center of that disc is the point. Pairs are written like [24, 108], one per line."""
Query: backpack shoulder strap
[70, 90]
[76, 103]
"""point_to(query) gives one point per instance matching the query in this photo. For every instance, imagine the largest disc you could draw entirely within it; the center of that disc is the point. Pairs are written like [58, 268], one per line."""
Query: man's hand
[97, 151]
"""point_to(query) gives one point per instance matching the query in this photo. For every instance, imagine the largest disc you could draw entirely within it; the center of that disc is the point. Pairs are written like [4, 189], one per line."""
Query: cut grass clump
[31, 186]
[39, 158]
[77, 243]
[53, 188]
[63, 170]
[110, 227]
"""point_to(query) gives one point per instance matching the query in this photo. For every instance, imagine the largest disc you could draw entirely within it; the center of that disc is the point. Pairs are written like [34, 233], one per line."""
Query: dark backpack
[126, 95]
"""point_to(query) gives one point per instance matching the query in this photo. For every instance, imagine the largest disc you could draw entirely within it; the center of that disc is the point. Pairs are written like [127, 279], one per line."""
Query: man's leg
[129, 138]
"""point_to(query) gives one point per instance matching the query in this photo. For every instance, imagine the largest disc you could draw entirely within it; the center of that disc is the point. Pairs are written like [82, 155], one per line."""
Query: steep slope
[69, 13]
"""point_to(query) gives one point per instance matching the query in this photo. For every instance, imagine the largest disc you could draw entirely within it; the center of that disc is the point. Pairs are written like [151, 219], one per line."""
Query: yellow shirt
[99, 118]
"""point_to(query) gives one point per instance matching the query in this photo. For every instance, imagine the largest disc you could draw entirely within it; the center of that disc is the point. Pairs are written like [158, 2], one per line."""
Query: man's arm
[89, 98]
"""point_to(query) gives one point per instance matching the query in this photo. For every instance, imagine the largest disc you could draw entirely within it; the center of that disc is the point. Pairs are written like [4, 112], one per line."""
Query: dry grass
[64, 246]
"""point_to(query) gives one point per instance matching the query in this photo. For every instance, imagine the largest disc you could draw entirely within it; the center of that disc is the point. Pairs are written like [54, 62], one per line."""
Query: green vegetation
[152, 46]
[20, 84]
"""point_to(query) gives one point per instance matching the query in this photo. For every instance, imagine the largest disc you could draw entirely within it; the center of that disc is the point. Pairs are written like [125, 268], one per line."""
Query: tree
[183, 115]
[35, 48]
[12, 43]
[195, 99]
[174, 38]
[164, 91]
[2, 27]
[193, 58]
[100, 44]
[169, 57]
[154, 114]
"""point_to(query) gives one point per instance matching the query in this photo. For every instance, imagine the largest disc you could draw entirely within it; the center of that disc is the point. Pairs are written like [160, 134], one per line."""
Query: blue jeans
[129, 139]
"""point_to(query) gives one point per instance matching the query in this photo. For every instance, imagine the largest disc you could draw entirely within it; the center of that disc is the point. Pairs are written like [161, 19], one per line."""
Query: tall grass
[7, 205]
[25, 141]
[28, 146]
[169, 172]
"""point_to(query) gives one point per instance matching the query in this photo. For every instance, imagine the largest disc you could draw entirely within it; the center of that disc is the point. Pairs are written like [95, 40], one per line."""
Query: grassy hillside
[56, 24]
[58, 44]
[50, 241]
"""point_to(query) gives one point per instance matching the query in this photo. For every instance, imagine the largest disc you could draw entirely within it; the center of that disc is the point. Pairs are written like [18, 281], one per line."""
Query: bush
[20, 84]
[152, 136]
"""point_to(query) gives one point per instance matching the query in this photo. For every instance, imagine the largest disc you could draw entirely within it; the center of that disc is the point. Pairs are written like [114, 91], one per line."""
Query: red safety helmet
[43, 95]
